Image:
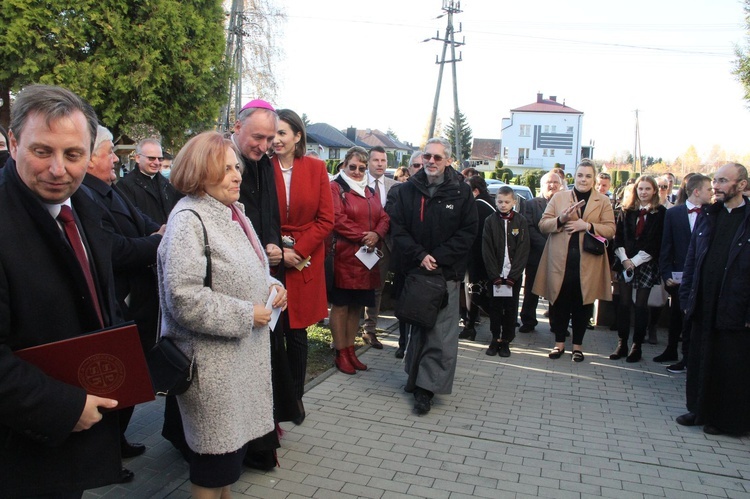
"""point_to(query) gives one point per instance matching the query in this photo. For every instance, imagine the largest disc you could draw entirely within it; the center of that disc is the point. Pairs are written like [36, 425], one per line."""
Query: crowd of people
[244, 241]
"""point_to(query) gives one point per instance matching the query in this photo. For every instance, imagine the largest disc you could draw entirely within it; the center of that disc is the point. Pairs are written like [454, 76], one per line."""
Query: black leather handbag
[171, 370]
[596, 245]
[424, 294]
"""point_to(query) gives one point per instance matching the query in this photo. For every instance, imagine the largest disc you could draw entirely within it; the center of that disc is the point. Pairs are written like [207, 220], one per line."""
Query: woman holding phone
[569, 277]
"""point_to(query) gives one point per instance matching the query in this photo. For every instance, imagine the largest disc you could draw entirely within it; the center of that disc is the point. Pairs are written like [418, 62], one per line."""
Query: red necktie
[641, 223]
[697, 209]
[74, 238]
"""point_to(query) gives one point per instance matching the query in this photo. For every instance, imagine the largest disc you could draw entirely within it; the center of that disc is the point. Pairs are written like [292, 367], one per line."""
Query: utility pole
[450, 7]
[637, 166]
[235, 39]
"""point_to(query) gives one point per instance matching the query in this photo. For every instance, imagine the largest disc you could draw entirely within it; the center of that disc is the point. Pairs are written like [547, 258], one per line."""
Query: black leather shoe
[687, 419]
[126, 475]
[128, 449]
[422, 402]
[493, 348]
[301, 418]
[635, 353]
[526, 328]
[469, 333]
[620, 351]
[400, 353]
[372, 340]
[667, 356]
[712, 430]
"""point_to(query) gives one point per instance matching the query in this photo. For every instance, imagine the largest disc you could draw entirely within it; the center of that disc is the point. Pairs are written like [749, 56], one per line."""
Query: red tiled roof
[546, 106]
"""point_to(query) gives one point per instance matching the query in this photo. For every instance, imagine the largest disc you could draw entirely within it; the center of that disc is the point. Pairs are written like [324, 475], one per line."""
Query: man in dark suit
[135, 242]
[56, 439]
[380, 184]
[715, 295]
[678, 227]
[533, 210]
[146, 187]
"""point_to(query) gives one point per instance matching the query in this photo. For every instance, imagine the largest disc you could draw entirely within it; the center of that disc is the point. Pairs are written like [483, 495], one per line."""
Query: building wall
[546, 139]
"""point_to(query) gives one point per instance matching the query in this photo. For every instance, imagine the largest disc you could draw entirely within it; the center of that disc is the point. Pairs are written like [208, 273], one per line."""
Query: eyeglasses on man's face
[436, 157]
[416, 166]
[155, 158]
[663, 187]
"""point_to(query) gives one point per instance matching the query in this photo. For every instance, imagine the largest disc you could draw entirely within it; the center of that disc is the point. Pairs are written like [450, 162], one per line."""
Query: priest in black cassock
[715, 294]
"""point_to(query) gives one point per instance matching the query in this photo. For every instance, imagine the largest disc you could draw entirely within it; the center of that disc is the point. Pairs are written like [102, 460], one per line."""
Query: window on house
[544, 152]
[505, 152]
[552, 152]
[525, 130]
[570, 129]
[546, 128]
[333, 153]
[568, 152]
[523, 153]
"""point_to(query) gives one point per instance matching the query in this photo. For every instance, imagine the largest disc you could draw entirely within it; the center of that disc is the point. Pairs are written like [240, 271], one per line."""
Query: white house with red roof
[541, 134]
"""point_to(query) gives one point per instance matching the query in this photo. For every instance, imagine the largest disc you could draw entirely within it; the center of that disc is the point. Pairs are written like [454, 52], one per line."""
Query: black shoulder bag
[424, 294]
[171, 370]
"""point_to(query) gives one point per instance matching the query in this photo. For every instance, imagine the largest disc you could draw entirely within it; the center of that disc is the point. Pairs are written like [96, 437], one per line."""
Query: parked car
[390, 172]
[521, 191]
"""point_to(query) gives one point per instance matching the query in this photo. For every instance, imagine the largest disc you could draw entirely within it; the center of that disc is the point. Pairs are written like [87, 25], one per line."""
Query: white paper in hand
[502, 290]
[369, 259]
[677, 277]
[275, 312]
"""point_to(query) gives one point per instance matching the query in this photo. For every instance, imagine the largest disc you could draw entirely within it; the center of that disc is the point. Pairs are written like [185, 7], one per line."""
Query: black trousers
[641, 312]
[569, 304]
[296, 353]
[678, 326]
[530, 300]
[503, 313]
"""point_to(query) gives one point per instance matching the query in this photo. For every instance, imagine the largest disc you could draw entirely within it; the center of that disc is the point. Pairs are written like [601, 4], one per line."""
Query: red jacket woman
[354, 216]
[307, 221]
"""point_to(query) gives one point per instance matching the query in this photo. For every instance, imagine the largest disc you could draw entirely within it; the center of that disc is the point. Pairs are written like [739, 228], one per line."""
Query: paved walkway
[525, 426]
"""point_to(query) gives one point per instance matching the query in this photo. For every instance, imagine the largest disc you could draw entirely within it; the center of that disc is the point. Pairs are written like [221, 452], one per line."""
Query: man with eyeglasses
[532, 210]
[146, 187]
[433, 225]
[715, 295]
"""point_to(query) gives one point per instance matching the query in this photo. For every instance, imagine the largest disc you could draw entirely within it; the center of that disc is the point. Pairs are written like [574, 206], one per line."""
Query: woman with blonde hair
[216, 314]
[637, 245]
[568, 276]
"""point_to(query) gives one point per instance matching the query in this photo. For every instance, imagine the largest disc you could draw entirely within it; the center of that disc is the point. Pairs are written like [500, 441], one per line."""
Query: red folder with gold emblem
[107, 364]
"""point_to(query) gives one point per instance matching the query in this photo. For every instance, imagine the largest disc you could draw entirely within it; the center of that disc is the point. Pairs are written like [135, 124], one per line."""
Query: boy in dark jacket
[505, 250]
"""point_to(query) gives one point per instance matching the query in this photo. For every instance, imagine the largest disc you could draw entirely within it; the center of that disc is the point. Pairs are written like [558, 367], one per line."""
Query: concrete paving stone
[402, 467]
[643, 488]
[265, 492]
[478, 481]
[388, 485]
[313, 441]
[326, 452]
[296, 488]
[251, 477]
[705, 489]
[340, 438]
[350, 448]
[494, 494]
[387, 455]
[557, 493]
[395, 495]
[466, 452]
[327, 494]
[312, 470]
[437, 474]
[282, 475]
[324, 483]
[338, 464]
[350, 477]
[452, 486]
[414, 479]
[720, 470]
[363, 491]
[618, 493]
[621, 476]
[365, 460]
[683, 495]
[423, 461]
[446, 456]
[429, 492]
[517, 487]
[302, 457]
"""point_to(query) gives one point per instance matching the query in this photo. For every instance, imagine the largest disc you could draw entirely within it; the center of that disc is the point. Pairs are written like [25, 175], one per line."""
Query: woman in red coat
[360, 222]
[306, 211]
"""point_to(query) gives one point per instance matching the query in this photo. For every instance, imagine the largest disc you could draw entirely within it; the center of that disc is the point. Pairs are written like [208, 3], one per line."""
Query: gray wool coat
[230, 401]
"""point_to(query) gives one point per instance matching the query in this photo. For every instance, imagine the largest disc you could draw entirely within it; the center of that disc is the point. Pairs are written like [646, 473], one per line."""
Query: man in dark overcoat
[57, 440]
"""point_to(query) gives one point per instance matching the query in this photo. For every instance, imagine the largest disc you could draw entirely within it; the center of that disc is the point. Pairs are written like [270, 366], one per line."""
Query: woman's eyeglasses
[429, 156]
[354, 168]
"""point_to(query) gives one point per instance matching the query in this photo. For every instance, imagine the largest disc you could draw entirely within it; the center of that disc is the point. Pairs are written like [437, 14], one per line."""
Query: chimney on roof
[539, 97]
[553, 98]
[351, 134]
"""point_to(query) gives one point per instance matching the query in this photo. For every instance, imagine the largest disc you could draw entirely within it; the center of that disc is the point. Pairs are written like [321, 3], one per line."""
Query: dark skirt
[352, 297]
[216, 470]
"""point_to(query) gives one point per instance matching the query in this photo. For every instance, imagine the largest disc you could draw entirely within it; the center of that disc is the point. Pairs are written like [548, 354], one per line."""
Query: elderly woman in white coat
[229, 405]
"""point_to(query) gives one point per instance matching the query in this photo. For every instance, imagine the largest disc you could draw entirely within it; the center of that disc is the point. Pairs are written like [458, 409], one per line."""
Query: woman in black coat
[637, 246]
[476, 274]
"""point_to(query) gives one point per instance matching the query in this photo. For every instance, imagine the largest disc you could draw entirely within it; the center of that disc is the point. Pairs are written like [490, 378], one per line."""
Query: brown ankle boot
[620, 351]
[359, 366]
[343, 363]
